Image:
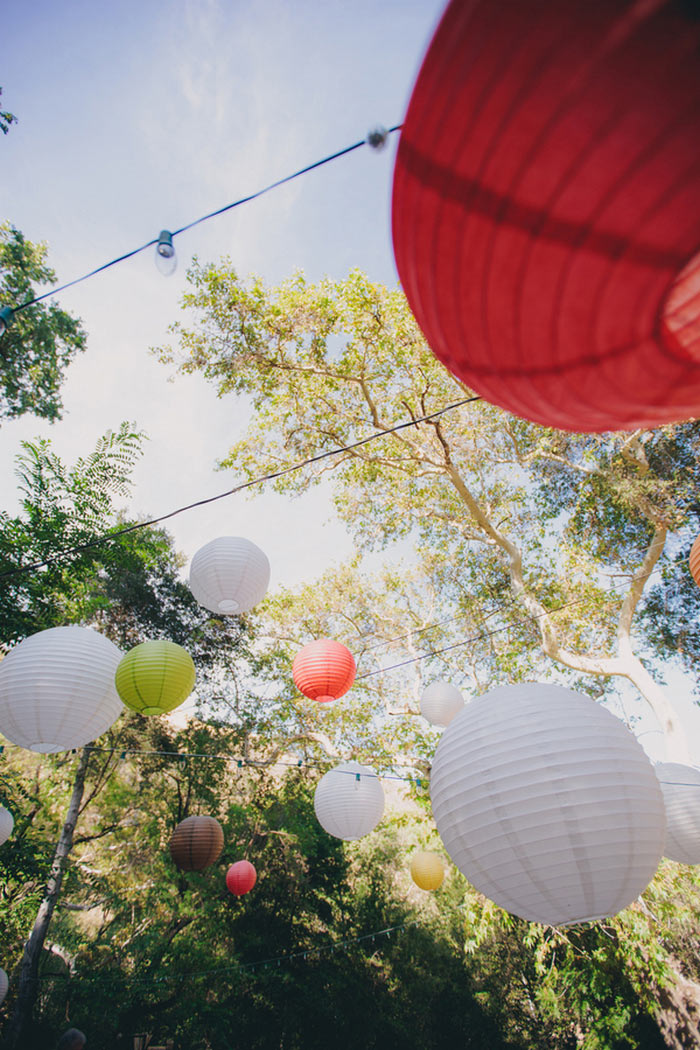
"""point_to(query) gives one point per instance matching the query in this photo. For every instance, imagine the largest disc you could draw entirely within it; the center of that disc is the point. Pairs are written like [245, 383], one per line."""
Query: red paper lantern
[546, 207]
[241, 877]
[323, 670]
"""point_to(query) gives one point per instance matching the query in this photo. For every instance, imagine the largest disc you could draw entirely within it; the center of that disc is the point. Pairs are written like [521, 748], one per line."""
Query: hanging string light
[165, 250]
[166, 259]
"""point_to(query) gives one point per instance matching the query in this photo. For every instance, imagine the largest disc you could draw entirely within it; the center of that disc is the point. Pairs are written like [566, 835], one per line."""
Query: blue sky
[138, 116]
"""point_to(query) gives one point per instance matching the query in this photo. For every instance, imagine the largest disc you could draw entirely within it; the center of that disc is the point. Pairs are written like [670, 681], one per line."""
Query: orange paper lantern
[694, 561]
[323, 670]
[196, 843]
[241, 877]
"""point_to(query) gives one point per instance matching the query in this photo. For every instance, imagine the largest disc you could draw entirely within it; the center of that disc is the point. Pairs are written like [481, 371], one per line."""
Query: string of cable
[213, 214]
[274, 960]
[110, 537]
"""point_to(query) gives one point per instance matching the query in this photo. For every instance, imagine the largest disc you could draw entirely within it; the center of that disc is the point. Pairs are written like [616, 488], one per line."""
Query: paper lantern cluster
[323, 670]
[680, 785]
[240, 878]
[546, 219]
[349, 801]
[196, 843]
[155, 677]
[57, 689]
[440, 702]
[229, 575]
[7, 823]
[547, 804]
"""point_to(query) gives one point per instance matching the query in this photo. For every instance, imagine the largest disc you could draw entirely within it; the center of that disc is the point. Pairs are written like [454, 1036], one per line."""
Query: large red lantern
[546, 207]
[323, 670]
[241, 877]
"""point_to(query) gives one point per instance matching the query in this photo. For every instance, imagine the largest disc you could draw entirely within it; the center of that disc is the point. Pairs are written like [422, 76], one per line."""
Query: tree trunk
[678, 1014]
[29, 967]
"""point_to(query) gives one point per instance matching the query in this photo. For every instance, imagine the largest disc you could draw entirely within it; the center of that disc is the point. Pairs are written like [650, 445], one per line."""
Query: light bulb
[378, 138]
[6, 317]
[166, 259]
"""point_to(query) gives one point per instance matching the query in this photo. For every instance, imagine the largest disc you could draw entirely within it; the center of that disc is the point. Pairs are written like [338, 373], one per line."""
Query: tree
[42, 339]
[550, 524]
[130, 589]
[552, 552]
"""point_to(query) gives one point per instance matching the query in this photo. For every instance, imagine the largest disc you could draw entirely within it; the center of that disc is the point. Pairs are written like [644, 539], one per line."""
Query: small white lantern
[4, 985]
[229, 575]
[547, 804]
[7, 823]
[57, 689]
[681, 789]
[440, 702]
[349, 801]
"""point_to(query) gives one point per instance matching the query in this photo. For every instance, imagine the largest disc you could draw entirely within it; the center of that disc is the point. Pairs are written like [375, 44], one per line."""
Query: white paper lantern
[547, 803]
[349, 801]
[680, 785]
[4, 985]
[229, 575]
[57, 689]
[7, 823]
[440, 702]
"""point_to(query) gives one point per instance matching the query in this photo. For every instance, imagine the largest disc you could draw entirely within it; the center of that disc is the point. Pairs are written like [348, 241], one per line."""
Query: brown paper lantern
[196, 843]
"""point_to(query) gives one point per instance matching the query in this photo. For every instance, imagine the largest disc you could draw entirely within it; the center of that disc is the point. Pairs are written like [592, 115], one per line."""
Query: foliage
[556, 535]
[6, 119]
[41, 341]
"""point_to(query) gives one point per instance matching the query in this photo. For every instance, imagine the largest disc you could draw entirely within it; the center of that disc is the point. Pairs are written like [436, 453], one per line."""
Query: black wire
[203, 218]
[110, 536]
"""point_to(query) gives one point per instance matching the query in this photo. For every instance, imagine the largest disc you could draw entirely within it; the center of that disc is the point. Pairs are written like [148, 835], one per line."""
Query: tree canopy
[558, 538]
[511, 552]
[42, 339]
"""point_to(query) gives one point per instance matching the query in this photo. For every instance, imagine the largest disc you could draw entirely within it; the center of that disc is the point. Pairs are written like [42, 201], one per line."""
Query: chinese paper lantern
[57, 689]
[349, 801]
[241, 877]
[680, 785]
[427, 870]
[196, 843]
[323, 670]
[694, 561]
[546, 214]
[229, 575]
[440, 702]
[4, 985]
[155, 677]
[7, 823]
[547, 804]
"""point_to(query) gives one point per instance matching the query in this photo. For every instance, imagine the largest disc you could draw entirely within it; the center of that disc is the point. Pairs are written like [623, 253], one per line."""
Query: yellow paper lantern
[427, 870]
[155, 677]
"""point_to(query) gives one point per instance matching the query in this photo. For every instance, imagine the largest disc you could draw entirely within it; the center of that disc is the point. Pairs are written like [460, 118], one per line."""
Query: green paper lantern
[155, 677]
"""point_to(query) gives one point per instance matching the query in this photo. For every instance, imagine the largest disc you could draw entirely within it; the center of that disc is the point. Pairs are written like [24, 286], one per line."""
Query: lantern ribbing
[547, 804]
[546, 219]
